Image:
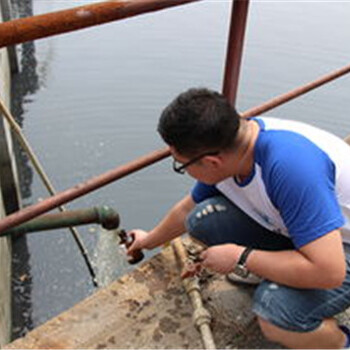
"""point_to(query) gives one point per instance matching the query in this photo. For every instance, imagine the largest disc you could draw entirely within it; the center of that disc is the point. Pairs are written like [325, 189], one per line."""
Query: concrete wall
[8, 169]
[9, 194]
[5, 285]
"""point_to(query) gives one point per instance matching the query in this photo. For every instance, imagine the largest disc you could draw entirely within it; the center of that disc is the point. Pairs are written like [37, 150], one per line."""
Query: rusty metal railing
[64, 21]
[79, 190]
[149, 159]
[291, 95]
[124, 9]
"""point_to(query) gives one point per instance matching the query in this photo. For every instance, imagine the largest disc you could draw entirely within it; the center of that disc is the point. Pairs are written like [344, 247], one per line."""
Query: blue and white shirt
[300, 184]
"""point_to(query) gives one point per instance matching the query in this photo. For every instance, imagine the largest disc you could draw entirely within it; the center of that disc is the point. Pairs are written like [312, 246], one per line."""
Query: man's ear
[215, 161]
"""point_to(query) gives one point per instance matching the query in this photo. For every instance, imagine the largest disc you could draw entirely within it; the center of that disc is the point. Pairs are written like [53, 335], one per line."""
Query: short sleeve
[301, 184]
[201, 191]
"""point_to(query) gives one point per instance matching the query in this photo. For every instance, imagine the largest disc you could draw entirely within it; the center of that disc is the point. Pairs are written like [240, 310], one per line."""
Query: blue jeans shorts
[218, 221]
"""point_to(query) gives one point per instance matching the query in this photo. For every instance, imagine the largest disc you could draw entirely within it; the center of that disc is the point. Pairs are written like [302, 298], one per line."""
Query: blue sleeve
[301, 185]
[201, 191]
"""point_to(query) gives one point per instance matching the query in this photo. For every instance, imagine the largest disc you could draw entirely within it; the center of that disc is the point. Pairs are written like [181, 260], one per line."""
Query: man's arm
[318, 264]
[171, 226]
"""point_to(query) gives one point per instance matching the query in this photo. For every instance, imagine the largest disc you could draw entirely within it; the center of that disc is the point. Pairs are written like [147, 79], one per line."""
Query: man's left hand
[221, 258]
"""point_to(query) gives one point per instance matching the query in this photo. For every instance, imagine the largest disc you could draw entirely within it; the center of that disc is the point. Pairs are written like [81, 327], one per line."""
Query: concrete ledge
[149, 308]
[144, 309]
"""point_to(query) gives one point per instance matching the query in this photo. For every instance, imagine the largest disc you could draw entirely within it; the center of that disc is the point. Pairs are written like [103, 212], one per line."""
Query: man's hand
[221, 258]
[140, 240]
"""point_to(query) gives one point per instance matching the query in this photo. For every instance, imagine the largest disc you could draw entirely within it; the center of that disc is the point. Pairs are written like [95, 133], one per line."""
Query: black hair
[199, 120]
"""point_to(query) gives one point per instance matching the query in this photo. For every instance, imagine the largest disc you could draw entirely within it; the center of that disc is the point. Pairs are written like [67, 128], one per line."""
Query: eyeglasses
[180, 168]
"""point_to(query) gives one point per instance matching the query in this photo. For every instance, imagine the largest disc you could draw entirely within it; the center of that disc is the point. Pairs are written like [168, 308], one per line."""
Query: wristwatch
[240, 268]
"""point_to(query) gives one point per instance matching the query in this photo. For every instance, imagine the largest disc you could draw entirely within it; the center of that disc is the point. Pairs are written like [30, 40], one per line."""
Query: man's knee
[218, 221]
[269, 331]
[205, 221]
[284, 308]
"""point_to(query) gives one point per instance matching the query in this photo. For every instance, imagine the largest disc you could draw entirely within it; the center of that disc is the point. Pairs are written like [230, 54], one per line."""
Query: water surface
[102, 89]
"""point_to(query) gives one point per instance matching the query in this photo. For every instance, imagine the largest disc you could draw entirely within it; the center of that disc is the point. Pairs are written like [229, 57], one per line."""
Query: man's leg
[218, 221]
[327, 336]
[302, 318]
[307, 315]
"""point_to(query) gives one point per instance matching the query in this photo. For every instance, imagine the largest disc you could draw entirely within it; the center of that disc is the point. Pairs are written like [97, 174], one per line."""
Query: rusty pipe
[235, 49]
[45, 25]
[44, 206]
[292, 94]
[106, 216]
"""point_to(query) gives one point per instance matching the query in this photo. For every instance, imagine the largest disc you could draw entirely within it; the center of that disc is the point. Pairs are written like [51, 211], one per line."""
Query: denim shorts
[218, 221]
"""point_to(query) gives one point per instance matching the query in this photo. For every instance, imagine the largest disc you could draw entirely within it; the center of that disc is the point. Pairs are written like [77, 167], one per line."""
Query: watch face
[241, 270]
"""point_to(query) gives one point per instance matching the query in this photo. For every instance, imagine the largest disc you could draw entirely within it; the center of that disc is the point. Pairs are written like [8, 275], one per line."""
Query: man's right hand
[139, 240]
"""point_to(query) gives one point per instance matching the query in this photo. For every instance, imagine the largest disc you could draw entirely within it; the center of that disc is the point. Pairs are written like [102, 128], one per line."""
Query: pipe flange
[108, 217]
[201, 316]
[191, 284]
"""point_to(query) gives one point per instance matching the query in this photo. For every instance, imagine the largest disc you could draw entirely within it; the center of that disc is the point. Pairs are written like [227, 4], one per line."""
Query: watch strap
[243, 258]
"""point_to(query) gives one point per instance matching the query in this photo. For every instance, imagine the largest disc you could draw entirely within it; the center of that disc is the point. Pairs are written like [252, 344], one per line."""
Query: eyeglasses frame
[182, 168]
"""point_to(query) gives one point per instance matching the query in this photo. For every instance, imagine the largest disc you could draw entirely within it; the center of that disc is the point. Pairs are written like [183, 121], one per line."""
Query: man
[272, 198]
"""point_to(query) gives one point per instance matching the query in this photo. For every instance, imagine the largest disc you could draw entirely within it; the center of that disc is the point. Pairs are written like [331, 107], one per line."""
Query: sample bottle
[126, 240]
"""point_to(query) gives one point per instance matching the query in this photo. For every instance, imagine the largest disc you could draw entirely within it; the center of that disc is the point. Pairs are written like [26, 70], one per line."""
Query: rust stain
[111, 340]
[168, 325]
[157, 336]
[148, 319]
[133, 304]
[114, 293]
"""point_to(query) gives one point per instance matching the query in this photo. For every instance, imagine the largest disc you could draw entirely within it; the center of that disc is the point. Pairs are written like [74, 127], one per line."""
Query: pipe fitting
[201, 316]
[108, 217]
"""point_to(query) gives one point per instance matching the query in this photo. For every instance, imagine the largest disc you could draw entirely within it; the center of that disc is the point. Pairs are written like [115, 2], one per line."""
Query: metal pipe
[106, 216]
[235, 49]
[44, 206]
[6, 10]
[32, 211]
[292, 94]
[41, 26]
[201, 316]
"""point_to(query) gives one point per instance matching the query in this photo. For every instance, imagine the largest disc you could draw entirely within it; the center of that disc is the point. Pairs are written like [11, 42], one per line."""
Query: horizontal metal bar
[301, 90]
[41, 26]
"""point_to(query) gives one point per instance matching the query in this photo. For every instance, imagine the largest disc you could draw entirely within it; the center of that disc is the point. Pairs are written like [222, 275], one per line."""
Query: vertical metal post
[235, 49]
[6, 11]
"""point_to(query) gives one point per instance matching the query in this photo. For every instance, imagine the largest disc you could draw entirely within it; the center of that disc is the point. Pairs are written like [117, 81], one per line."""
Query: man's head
[199, 121]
